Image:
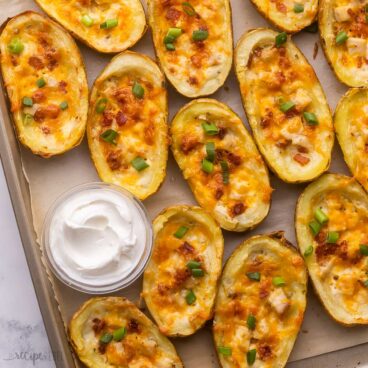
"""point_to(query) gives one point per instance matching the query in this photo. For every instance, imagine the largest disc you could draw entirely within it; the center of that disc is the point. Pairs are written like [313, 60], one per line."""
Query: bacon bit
[234, 159]
[219, 193]
[267, 119]
[302, 149]
[107, 118]
[324, 250]
[321, 237]
[366, 147]
[162, 289]
[36, 62]
[193, 80]
[62, 86]
[186, 249]
[302, 160]
[222, 132]
[196, 60]
[114, 160]
[181, 275]
[315, 50]
[173, 14]
[50, 111]
[98, 325]
[264, 289]
[133, 326]
[45, 130]
[131, 106]
[188, 143]
[284, 62]
[51, 56]
[121, 119]
[38, 96]
[238, 209]
[264, 351]
[149, 134]
[165, 3]
[14, 60]
[283, 143]
[102, 347]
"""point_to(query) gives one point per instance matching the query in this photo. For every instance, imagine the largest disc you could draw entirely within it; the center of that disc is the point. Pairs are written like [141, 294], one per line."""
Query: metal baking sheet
[34, 183]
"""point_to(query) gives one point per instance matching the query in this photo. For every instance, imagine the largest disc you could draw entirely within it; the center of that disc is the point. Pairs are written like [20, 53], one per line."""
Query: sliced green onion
[101, 105]
[363, 249]
[119, 334]
[200, 35]
[207, 166]
[170, 47]
[109, 23]
[315, 227]
[225, 172]
[110, 136]
[308, 251]
[313, 28]
[280, 39]
[27, 101]
[27, 119]
[278, 281]
[332, 237]
[251, 356]
[181, 232]
[16, 46]
[193, 265]
[190, 297]
[255, 276]
[172, 34]
[64, 105]
[320, 216]
[41, 83]
[211, 151]
[139, 163]
[298, 8]
[138, 90]
[365, 283]
[286, 106]
[210, 128]
[341, 37]
[106, 338]
[251, 322]
[224, 350]
[310, 118]
[87, 20]
[188, 9]
[197, 272]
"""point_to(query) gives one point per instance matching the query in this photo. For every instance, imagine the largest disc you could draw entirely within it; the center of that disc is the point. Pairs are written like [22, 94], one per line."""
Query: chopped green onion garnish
[108, 24]
[87, 20]
[200, 35]
[181, 232]
[256, 276]
[109, 136]
[278, 281]
[363, 249]
[332, 237]
[139, 163]
[251, 322]
[310, 118]
[27, 101]
[280, 39]
[138, 90]
[315, 227]
[190, 297]
[224, 350]
[15, 46]
[341, 37]
[170, 47]
[298, 8]
[211, 151]
[320, 216]
[225, 172]
[41, 83]
[172, 34]
[193, 264]
[251, 356]
[210, 128]
[197, 272]
[64, 105]
[119, 334]
[106, 338]
[308, 251]
[365, 283]
[207, 166]
[188, 9]
[101, 105]
[27, 119]
[286, 106]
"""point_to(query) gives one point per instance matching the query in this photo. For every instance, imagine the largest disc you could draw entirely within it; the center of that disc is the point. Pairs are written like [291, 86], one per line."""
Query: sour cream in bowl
[97, 238]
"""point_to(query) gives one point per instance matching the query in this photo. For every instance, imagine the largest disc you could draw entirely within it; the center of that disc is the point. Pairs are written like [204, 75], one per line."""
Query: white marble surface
[23, 340]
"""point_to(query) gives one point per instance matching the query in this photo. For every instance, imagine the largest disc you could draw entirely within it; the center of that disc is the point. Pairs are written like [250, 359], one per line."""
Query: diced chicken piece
[357, 46]
[301, 99]
[342, 13]
[279, 301]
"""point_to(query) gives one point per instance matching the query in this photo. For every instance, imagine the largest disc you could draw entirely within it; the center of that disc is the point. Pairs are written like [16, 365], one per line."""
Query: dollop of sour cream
[97, 236]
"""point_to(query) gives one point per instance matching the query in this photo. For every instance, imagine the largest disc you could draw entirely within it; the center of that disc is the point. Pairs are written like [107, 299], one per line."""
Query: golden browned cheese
[337, 250]
[46, 84]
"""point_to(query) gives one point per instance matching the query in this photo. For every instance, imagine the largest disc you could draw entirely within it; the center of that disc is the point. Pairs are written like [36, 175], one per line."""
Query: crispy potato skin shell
[96, 305]
[275, 240]
[264, 34]
[317, 188]
[83, 86]
[90, 40]
[197, 214]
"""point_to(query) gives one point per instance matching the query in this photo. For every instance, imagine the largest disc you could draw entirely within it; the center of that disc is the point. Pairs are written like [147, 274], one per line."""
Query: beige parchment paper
[50, 178]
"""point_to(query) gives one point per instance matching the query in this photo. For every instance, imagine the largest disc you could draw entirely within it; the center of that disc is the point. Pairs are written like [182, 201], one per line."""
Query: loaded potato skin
[104, 25]
[180, 282]
[260, 304]
[220, 161]
[285, 105]
[46, 84]
[193, 42]
[109, 332]
[332, 233]
[127, 125]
